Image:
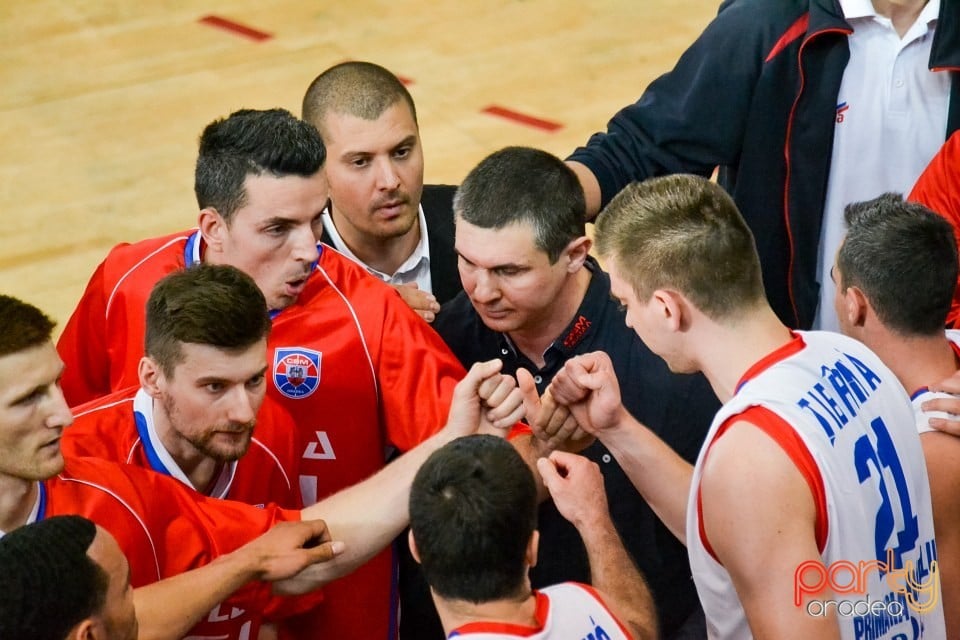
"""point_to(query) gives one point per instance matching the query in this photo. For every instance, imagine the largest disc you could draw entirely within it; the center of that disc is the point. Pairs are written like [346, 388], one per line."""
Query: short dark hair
[215, 305]
[361, 89]
[522, 184]
[473, 508]
[49, 583]
[903, 257]
[252, 142]
[683, 232]
[22, 326]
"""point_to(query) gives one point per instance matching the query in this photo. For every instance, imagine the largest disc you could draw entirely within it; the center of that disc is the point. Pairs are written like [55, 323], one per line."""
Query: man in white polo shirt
[805, 106]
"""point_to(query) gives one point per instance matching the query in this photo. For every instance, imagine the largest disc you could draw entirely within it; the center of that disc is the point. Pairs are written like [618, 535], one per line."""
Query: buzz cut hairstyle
[273, 142]
[215, 305]
[49, 583]
[22, 326]
[361, 89]
[683, 232]
[903, 256]
[473, 510]
[525, 185]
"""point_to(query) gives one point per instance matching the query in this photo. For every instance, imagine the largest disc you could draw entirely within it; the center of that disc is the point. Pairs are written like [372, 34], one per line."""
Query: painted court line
[521, 118]
[235, 28]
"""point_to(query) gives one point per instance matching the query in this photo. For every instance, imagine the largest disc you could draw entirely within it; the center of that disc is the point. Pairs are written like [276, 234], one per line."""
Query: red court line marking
[522, 118]
[235, 28]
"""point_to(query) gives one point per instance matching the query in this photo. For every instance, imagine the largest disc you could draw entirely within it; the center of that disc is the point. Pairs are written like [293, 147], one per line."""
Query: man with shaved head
[382, 215]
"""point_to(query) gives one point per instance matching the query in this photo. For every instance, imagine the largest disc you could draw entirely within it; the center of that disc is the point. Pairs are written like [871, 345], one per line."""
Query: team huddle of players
[261, 405]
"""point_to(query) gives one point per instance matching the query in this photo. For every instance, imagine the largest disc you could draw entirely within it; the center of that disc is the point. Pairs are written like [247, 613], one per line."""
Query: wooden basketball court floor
[101, 102]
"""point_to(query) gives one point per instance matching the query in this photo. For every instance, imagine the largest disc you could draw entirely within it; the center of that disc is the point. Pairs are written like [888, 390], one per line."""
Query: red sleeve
[417, 375]
[938, 188]
[83, 346]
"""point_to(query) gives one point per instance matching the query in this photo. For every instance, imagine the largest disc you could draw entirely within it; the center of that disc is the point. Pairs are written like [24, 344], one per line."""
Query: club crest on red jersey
[296, 371]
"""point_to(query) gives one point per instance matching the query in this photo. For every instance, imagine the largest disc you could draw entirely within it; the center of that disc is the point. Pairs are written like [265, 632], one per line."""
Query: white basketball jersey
[856, 422]
[566, 611]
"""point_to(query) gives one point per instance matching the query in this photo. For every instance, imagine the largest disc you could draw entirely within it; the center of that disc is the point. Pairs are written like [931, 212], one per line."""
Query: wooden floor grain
[102, 102]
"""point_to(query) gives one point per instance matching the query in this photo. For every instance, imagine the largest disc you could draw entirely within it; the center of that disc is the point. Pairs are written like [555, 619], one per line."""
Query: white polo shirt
[891, 119]
[416, 268]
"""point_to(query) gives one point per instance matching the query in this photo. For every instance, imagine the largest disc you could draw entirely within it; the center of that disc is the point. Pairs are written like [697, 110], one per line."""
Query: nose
[59, 415]
[305, 245]
[485, 288]
[387, 176]
[242, 406]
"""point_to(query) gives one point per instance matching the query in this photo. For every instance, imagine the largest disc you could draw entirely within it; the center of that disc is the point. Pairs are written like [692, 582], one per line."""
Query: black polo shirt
[678, 408]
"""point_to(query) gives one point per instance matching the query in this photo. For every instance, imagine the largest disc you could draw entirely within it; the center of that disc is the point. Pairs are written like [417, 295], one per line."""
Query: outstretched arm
[168, 609]
[577, 489]
[588, 385]
[369, 515]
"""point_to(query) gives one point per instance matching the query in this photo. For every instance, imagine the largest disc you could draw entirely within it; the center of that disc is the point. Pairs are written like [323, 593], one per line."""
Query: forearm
[168, 609]
[660, 475]
[368, 516]
[614, 574]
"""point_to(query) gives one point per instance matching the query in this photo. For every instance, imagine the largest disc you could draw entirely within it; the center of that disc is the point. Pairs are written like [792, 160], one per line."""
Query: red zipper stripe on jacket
[786, 157]
[796, 30]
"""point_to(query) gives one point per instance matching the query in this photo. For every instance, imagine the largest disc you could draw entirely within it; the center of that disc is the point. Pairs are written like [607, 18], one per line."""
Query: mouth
[496, 314]
[391, 208]
[294, 288]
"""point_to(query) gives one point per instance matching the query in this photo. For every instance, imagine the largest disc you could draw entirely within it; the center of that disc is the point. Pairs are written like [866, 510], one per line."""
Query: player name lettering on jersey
[850, 384]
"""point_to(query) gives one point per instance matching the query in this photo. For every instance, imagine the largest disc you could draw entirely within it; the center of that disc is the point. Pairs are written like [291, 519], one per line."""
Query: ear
[86, 629]
[855, 306]
[151, 376]
[212, 227]
[671, 308]
[577, 251]
[412, 543]
[533, 546]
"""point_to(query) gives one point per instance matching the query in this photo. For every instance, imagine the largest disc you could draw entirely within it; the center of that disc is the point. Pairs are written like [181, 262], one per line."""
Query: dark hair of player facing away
[48, 583]
[904, 258]
[473, 508]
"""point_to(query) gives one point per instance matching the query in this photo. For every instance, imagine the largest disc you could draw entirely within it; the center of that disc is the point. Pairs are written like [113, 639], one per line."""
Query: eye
[33, 397]
[256, 381]
[276, 230]
[401, 153]
[214, 387]
[360, 163]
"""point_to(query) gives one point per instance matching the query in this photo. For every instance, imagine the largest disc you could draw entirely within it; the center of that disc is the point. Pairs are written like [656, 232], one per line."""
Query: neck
[917, 361]
[17, 497]
[385, 254]
[518, 611]
[902, 13]
[534, 340]
[726, 351]
[197, 466]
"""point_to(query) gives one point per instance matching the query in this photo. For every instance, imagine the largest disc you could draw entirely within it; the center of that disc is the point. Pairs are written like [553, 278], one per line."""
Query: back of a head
[904, 258]
[48, 583]
[526, 185]
[214, 305]
[22, 326]
[361, 89]
[472, 512]
[683, 232]
[252, 142]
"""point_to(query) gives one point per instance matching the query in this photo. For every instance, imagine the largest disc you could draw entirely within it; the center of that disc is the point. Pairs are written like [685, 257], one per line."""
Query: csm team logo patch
[296, 371]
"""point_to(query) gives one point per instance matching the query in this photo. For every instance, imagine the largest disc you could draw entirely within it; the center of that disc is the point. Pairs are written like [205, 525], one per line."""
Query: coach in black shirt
[535, 298]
